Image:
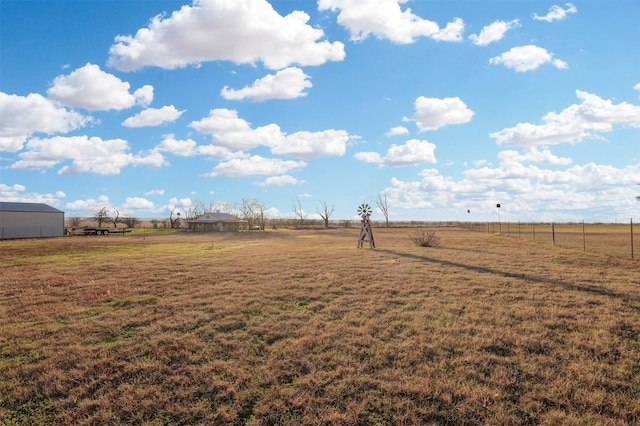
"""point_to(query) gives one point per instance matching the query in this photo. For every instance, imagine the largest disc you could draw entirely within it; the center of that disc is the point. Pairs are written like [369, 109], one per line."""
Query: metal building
[30, 220]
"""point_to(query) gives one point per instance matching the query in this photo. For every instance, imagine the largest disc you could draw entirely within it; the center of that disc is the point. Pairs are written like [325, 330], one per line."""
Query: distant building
[216, 222]
[30, 220]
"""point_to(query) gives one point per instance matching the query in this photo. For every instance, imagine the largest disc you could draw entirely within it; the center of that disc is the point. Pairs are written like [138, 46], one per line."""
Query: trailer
[87, 231]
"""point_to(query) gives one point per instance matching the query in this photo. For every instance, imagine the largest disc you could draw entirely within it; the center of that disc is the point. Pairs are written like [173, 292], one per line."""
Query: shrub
[424, 238]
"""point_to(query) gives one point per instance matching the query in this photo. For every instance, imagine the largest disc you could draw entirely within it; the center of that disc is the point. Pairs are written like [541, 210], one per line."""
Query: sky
[444, 108]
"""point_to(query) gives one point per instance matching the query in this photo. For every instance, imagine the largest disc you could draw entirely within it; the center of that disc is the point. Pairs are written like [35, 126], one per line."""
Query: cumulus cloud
[22, 116]
[87, 155]
[137, 203]
[434, 113]
[413, 152]
[396, 131]
[18, 193]
[385, 19]
[234, 133]
[281, 180]
[244, 32]
[88, 206]
[527, 58]
[181, 148]
[556, 13]
[154, 192]
[589, 118]
[288, 83]
[255, 165]
[151, 117]
[493, 32]
[526, 191]
[91, 88]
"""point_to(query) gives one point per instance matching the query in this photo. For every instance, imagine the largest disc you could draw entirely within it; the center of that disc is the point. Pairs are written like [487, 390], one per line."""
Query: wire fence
[618, 240]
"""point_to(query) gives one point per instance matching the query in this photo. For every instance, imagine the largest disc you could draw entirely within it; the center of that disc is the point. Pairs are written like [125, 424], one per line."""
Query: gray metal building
[30, 220]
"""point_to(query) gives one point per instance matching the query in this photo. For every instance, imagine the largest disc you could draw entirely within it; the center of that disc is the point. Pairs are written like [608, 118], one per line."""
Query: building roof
[6, 206]
[215, 217]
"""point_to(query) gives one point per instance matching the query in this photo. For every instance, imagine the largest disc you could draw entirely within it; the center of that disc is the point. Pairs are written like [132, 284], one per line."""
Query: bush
[424, 238]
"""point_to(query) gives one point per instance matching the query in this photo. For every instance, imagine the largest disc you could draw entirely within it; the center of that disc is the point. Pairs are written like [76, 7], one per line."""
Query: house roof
[7, 206]
[215, 217]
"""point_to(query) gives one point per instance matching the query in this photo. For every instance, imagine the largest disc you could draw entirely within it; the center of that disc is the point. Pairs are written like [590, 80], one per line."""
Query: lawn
[301, 327]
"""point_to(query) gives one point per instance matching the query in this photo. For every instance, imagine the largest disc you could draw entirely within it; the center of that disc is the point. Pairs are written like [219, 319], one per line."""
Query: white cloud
[385, 19]
[493, 32]
[151, 117]
[396, 131]
[22, 116]
[434, 113]
[556, 13]
[154, 192]
[280, 181]
[592, 116]
[240, 31]
[89, 206]
[182, 148]
[308, 145]
[255, 165]
[526, 192]
[17, 193]
[144, 95]
[234, 133]
[527, 58]
[412, 152]
[288, 83]
[137, 203]
[93, 155]
[532, 155]
[93, 89]
[636, 87]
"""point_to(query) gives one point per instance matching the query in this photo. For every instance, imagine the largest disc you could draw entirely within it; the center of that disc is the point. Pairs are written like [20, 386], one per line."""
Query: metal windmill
[366, 236]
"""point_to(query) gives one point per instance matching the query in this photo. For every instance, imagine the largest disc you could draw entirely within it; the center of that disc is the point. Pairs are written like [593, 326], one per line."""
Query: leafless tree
[114, 218]
[174, 221]
[383, 205]
[74, 221]
[325, 212]
[129, 221]
[247, 210]
[259, 215]
[296, 207]
[101, 215]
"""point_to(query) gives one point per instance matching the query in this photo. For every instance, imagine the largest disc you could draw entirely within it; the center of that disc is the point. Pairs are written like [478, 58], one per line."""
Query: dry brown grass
[301, 327]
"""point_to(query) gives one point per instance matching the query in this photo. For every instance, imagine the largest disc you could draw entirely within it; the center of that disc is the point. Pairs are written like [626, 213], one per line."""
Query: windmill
[366, 236]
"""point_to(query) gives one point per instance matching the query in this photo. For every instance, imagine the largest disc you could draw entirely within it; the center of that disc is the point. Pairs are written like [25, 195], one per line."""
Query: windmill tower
[366, 236]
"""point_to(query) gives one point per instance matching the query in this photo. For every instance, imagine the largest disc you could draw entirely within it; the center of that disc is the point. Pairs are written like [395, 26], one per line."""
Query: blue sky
[444, 107]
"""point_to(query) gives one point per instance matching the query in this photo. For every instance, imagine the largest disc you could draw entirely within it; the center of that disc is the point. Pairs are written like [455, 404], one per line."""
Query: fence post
[533, 226]
[553, 233]
[584, 239]
[631, 222]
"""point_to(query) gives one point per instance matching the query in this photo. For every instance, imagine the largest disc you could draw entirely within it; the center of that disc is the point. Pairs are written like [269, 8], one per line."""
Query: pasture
[301, 327]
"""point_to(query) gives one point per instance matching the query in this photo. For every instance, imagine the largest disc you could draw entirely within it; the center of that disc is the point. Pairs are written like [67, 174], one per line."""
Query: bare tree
[247, 210]
[101, 215]
[129, 221]
[174, 222]
[325, 212]
[259, 215]
[114, 219]
[383, 205]
[74, 221]
[296, 207]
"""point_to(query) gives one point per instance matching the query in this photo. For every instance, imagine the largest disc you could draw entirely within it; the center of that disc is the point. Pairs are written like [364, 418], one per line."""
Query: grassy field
[301, 327]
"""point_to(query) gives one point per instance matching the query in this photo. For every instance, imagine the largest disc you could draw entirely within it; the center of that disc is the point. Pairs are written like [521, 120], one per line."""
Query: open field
[611, 239]
[301, 327]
